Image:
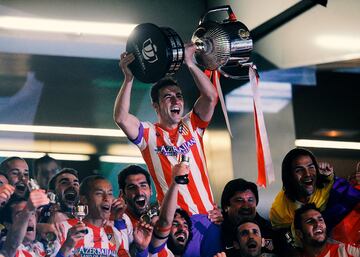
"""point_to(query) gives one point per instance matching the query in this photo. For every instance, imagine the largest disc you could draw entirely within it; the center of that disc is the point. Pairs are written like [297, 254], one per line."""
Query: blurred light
[123, 149]
[121, 159]
[69, 157]
[31, 155]
[62, 130]
[337, 42]
[36, 155]
[274, 97]
[66, 26]
[336, 133]
[327, 144]
[47, 146]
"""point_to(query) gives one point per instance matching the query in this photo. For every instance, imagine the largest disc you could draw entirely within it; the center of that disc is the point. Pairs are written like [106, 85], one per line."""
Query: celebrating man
[161, 144]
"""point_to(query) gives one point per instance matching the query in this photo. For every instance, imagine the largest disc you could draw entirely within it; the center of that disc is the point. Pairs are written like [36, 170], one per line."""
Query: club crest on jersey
[170, 150]
[183, 129]
[109, 236]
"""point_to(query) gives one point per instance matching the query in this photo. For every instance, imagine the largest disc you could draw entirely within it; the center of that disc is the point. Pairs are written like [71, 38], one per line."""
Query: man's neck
[311, 251]
[95, 221]
[303, 199]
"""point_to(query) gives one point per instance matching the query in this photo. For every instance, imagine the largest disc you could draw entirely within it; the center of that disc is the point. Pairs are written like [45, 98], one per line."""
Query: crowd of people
[315, 212]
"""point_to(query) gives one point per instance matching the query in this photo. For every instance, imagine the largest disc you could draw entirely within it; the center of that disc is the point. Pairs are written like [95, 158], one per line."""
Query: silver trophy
[152, 211]
[223, 45]
[33, 185]
[80, 211]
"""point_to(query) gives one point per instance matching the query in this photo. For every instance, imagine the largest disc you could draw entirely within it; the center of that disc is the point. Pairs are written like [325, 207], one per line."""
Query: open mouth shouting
[140, 201]
[175, 110]
[106, 208]
[252, 245]
[21, 188]
[180, 236]
[71, 195]
[308, 183]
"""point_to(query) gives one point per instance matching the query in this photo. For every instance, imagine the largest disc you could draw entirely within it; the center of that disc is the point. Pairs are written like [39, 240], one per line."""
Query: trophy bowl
[80, 211]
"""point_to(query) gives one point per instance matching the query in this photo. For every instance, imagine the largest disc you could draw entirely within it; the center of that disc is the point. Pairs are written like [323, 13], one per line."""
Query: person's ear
[236, 244]
[299, 234]
[156, 107]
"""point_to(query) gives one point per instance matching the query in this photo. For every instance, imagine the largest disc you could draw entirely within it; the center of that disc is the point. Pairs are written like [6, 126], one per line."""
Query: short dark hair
[88, 182]
[4, 164]
[6, 211]
[52, 182]
[247, 220]
[42, 160]
[286, 172]
[237, 185]
[301, 211]
[164, 82]
[132, 170]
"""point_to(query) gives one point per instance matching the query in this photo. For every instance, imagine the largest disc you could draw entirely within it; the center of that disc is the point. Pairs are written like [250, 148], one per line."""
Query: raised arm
[126, 121]
[19, 225]
[168, 207]
[205, 104]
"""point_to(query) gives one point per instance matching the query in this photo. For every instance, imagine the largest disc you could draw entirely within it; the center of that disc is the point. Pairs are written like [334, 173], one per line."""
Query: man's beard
[176, 249]
[316, 243]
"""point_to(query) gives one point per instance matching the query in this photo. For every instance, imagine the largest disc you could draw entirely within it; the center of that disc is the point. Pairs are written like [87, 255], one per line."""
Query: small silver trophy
[33, 185]
[80, 211]
[152, 210]
[50, 238]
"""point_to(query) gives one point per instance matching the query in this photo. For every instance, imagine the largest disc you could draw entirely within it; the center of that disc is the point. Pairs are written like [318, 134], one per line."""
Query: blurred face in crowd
[31, 228]
[45, 172]
[242, 206]
[137, 193]
[249, 239]
[67, 190]
[18, 175]
[304, 174]
[313, 229]
[179, 235]
[99, 199]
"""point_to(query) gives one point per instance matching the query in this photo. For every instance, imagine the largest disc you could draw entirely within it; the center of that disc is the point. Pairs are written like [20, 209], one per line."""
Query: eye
[244, 233]
[14, 173]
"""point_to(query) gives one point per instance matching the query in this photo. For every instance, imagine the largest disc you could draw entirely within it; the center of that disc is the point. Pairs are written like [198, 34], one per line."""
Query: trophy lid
[156, 50]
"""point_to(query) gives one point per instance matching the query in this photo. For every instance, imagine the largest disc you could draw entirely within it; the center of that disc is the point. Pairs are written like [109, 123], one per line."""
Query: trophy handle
[223, 8]
[242, 77]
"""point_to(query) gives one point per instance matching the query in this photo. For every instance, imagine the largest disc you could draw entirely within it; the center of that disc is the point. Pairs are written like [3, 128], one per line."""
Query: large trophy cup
[159, 51]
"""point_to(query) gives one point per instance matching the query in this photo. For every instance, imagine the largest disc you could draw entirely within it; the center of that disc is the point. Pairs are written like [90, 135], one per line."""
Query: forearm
[17, 232]
[168, 206]
[206, 88]
[122, 102]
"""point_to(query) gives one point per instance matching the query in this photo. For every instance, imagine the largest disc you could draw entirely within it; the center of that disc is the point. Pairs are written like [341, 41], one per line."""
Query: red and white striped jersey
[162, 148]
[35, 250]
[99, 241]
[339, 250]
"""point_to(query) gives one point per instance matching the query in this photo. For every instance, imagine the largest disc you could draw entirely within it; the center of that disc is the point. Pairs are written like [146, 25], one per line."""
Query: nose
[307, 172]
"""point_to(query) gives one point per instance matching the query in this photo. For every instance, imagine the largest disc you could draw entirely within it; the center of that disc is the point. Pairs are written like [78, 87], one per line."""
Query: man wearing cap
[238, 202]
[65, 185]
